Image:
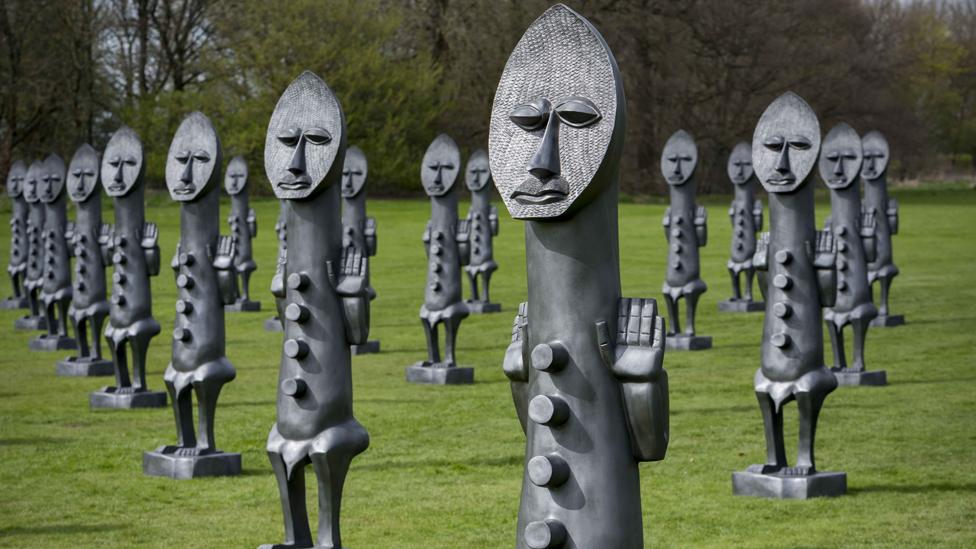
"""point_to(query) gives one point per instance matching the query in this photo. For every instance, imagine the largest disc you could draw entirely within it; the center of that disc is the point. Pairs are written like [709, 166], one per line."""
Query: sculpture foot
[85, 367]
[483, 307]
[186, 463]
[685, 342]
[371, 346]
[733, 305]
[781, 486]
[47, 342]
[30, 323]
[439, 373]
[125, 398]
[13, 303]
[887, 321]
[797, 471]
[872, 378]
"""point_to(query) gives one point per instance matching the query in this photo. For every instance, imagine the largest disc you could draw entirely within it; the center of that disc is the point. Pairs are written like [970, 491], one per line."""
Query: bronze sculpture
[243, 227]
[746, 214]
[483, 226]
[884, 210]
[358, 229]
[34, 272]
[17, 265]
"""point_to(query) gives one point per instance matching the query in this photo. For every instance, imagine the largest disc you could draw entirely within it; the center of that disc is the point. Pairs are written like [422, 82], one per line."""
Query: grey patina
[585, 365]
[34, 273]
[483, 226]
[17, 265]
[327, 309]
[243, 227]
[874, 173]
[358, 229]
[274, 324]
[746, 214]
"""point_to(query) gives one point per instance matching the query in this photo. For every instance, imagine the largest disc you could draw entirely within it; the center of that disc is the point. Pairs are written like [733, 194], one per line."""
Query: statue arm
[223, 263]
[757, 215]
[462, 235]
[825, 263]
[351, 282]
[516, 366]
[732, 214]
[868, 229]
[369, 231]
[493, 220]
[278, 283]
[69, 237]
[666, 223]
[426, 239]
[636, 360]
[252, 222]
[150, 248]
[105, 237]
[893, 215]
[760, 260]
[701, 225]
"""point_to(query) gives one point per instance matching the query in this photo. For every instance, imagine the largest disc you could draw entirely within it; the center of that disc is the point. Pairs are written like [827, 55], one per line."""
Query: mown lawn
[445, 463]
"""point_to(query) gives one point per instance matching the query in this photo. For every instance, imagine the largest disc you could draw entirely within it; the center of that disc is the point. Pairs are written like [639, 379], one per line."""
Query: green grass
[445, 463]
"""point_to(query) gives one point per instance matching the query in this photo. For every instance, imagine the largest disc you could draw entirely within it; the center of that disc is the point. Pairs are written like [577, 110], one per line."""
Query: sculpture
[483, 225]
[89, 305]
[882, 269]
[243, 227]
[686, 230]
[34, 273]
[446, 245]
[798, 262]
[17, 265]
[274, 324]
[56, 286]
[746, 214]
[327, 310]
[204, 262]
[135, 257]
[591, 405]
[358, 230]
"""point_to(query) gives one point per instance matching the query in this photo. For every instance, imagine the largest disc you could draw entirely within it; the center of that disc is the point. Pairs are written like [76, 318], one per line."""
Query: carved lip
[295, 182]
[116, 187]
[787, 179]
[676, 178]
[837, 180]
[869, 173]
[185, 189]
[533, 191]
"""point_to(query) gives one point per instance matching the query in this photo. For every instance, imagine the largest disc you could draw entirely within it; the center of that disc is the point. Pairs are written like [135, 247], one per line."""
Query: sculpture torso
[743, 225]
[57, 269]
[683, 265]
[480, 229]
[18, 238]
[240, 207]
[876, 201]
[35, 249]
[852, 278]
[89, 286]
[131, 299]
[444, 264]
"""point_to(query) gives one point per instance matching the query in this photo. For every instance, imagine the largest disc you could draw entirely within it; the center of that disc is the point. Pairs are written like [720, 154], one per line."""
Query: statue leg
[330, 469]
[140, 346]
[52, 321]
[207, 392]
[672, 315]
[63, 317]
[122, 382]
[292, 492]
[773, 429]
[81, 333]
[183, 412]
[32, 300]
[691, 305]
[473, 278]
[736, 290]
[750, 274]
[433, 345]
[246, 285]
[837, 345]
[885, 288]
[96, 320]
[486, 281]
[809, 405]
[451, 327]
[14, 283]
[859, 329]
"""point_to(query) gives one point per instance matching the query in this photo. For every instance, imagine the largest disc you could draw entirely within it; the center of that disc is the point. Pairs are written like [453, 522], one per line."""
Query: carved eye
[90, 173]
[182, 157]
[201, 156]
[578, 112]
[672, 158]
[528, 117]
[850, 155]
[289, 136]
[448, 166]
[686, 157]
[77, 173]
[800, 143]
[833, 156]
[317, 136]
[130, 161]
[345, 173]
[115, 161]
[774, 143]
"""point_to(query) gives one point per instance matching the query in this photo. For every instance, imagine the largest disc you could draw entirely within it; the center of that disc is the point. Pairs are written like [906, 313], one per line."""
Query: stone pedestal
[821, 484]
[888, 321]
[30, 323]
[13, 303]
[483, 307]
[371, 346]
[85, 367]
[243, 305]
[683, 342]
[741, 306]
[439, 374]
[47, 342]
[273, 325]
[871, 378]
[108, 398]
[163, 462]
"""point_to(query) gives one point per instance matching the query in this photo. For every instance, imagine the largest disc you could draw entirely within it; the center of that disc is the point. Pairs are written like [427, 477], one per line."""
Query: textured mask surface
[739, 167]
[840, 156]
[235, 180]
[193, 159]
[83, 173]
[788, 123]
[15, 179]
[354, 172]
[441, 166]
[876, 154]
[121, 162]
[679, 158]
[51, 183]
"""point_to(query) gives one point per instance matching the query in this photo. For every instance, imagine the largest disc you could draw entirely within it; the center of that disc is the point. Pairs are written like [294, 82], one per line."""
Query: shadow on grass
[499, 461]
[51, 529]
[268, 403]
[916, 489]
[931, 381]
[23, 441]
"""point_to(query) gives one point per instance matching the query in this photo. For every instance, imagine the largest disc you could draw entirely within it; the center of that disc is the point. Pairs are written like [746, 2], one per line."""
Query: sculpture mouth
[116, 187]
[869, 174]
[837, 181]
[676, 178]
[535, 192]
[185, 189]
[782, 180]
[295, 182]
[435, 189]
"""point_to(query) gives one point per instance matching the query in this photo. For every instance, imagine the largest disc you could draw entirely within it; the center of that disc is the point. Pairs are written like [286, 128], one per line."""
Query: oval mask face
[679, 158]
[785, 144]
[554, 116]
[32, 181]
[235, 180]
[876, 154]
[441, 165]
[15, 179]
[477, 174]
[305, 135]
[193, 162]
[840, 156]
[122, 161]
[354, 172]
[51, 183]
[739, 167]
[83, 173]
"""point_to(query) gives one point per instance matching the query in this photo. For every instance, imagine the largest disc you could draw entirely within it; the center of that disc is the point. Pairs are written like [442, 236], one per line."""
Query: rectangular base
[30, 323]
[823, 484]
[483, 307]
[247, 306]
[85, 367]
[888, 321]
[682, 342]
[273, 325]
[162, 462]
[741, 306]
[13, 303]
[425, 373]
[371, 346]
[873, 378]
[48, 342]
[107, 398]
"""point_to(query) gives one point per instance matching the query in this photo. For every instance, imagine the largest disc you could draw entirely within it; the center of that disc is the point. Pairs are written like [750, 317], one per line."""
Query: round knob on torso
[296, 348]
[549, 357]
[545, 534]
[181, 334]
[676, 233]
[184, 307]
[548, 410]
[80, 286]
[296, 313]
[549, 471]
[436, 267]
[783, 257]
[782, 281]
[780, 339]
[436, 249]
[782, 310]
[118, 258]
[120, 241]
[186, 259]
[184, 281]
[298, 281]
[118, 299]
[294, 387]
[118, 278]
[435, 286]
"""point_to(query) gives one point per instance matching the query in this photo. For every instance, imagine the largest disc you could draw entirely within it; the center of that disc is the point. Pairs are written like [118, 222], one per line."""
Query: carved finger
[647, 322]
[658, 332]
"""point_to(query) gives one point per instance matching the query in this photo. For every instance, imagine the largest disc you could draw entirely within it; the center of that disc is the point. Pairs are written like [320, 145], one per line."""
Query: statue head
[193, 162]
[477, 173]
[557, 122]
[32, 181]
[306, 135]
[235, 179]
[679, 158]
[51, 181]
[122, 162]
[785, 144]
[739, 167]
[15, 179]
[83, 173]
[876, 155]
[840, 156]
[440, 167]
[354, 172]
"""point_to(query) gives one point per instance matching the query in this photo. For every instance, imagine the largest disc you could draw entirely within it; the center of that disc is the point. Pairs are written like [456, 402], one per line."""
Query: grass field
[445, 463]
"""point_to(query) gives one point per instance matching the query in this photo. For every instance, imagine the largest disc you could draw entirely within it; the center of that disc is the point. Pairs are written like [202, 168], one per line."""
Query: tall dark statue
[243, 227]
[17, 265]
[56, 285]
[327, 310]
[34, 273]
[798, 278]
[585, 365]
[446, 244]
[686, 230]
[202, 257]
[135, 257]
[746, 214]
[483, 225]
[882, 269]
[853, 230]
[274, 324]
[358, 230]
[89, 305]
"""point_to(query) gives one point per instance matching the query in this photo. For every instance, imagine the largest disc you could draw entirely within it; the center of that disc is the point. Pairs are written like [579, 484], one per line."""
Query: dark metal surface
[17, 266]
[34, 272]
[746, 215]
[483, 227]
[243, 227]
[882, 269]
[358, 229]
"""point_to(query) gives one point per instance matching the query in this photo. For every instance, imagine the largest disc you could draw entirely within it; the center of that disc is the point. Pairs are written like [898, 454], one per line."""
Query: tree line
[72, 71]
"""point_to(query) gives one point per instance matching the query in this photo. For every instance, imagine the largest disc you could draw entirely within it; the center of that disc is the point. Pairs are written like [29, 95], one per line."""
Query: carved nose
[839, 166]
[783, 164]
[677, 168]
[438, 178]
[297, 165]
[118, 174]
[187, 177]
[545, 163]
